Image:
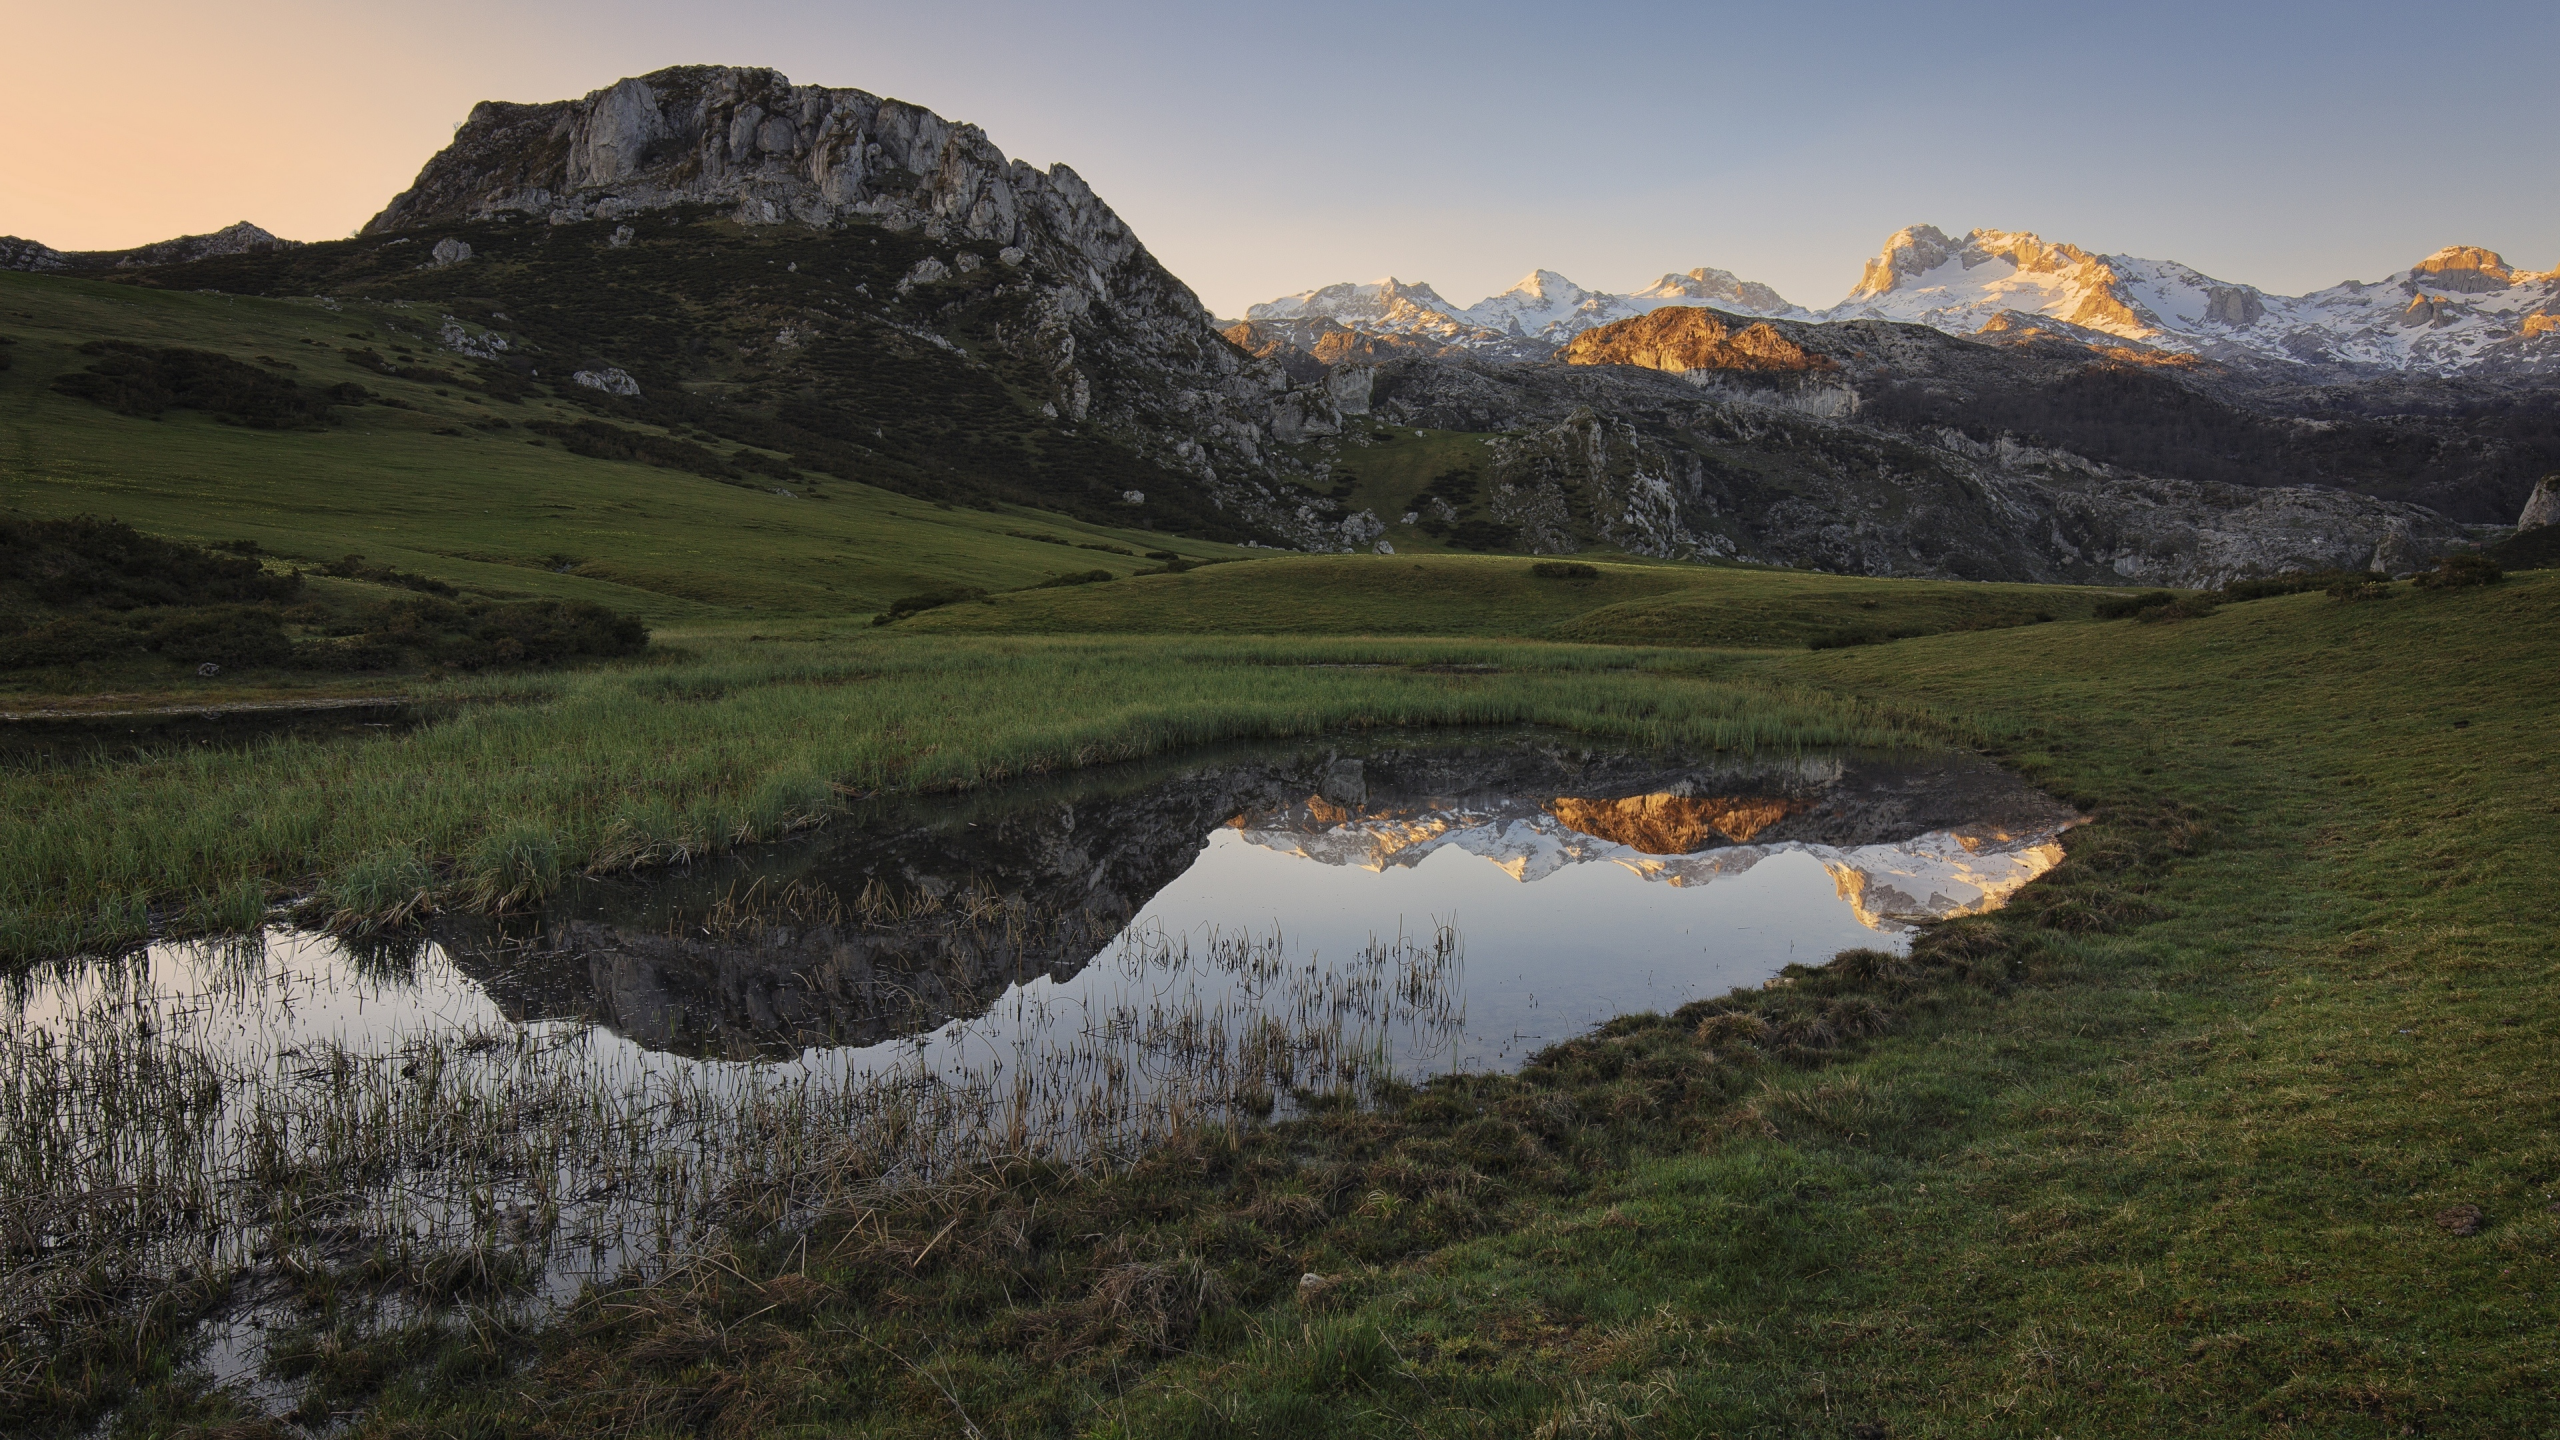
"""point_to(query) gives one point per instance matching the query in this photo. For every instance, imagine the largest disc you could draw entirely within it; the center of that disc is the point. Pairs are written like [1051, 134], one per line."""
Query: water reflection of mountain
[915, 912]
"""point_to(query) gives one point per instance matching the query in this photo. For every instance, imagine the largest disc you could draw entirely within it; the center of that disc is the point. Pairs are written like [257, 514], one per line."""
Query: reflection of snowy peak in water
[1962, 871]
[795, 945]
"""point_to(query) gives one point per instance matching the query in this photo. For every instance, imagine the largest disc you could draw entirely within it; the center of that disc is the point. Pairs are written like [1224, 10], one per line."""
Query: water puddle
[1071, 967]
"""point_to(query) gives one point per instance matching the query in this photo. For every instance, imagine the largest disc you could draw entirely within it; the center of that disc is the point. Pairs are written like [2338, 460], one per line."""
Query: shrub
[352, 567]
[1483, 535]
[1564, 570]
[107, 564]
[231, 636]
[144, 381]
[2457, 571]
[2125, 607]
[1080, 577]
[2190, 607]
[2296, 582]
[68, 641]
[2360, 587]
[905, 606]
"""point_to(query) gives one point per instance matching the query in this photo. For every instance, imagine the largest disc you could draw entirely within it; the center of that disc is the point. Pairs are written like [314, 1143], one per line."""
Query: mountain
[240, 239]
[1526, 322]
[853, 281]
[840, 284]
[2460, 309]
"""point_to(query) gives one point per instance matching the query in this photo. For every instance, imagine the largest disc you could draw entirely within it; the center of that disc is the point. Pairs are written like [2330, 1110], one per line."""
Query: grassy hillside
[459, 485]
[1625, 603]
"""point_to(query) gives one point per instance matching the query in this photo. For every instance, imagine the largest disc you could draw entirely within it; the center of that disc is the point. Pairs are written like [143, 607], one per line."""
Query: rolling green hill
[456, 476]
[1623, 603]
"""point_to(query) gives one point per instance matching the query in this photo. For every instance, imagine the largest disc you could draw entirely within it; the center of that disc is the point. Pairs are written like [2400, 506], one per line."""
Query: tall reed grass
[736, 740]
[155, 1153]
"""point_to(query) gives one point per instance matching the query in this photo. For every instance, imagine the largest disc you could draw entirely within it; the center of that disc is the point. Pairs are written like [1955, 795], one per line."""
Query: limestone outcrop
[2543, 506]
[1126, 346]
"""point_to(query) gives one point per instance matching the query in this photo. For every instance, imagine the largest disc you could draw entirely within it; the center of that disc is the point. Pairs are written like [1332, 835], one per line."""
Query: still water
[1072, 966]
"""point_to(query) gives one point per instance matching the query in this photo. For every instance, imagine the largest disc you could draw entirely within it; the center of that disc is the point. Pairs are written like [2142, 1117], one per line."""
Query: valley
[737, 775]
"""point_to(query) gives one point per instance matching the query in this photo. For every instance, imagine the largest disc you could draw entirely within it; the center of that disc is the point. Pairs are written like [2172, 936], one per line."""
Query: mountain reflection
[932, 908]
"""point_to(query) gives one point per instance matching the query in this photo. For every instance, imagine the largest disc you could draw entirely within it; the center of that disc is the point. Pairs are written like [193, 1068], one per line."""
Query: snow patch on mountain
[2459, 308]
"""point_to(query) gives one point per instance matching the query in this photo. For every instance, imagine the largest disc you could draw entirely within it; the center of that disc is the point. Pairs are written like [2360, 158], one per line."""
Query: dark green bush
[144, 381]
[2125, 607]
[68, 641]
[598, 440]
[901, 608]
[87, 563]
[2457, 571]
[1564, 570]
[2295, 582]
[231, 636]
[2191, 607]
[480, 634]
[352, 567]
[1081, 577]
[1483, 535]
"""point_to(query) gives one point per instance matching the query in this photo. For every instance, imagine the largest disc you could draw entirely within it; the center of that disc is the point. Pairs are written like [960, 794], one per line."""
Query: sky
[1260, 149]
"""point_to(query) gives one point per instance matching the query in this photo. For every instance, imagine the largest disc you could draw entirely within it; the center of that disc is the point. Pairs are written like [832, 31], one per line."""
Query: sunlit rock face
[1687, 341]
[1674, 824]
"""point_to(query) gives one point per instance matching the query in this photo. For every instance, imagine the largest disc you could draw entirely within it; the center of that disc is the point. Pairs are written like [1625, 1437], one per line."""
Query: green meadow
[2240, 1122]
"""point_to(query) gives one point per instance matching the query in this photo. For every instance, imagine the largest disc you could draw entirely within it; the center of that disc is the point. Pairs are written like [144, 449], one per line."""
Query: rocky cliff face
[1688, 342]
[1123, 345]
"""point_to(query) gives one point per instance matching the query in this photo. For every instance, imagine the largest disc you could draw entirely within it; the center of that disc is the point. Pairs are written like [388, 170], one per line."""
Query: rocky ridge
[242, 238]
[1524, 323]
[1125, 346]
[2461, 309]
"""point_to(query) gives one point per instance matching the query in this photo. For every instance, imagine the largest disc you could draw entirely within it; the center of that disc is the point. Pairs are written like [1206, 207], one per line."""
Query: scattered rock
[927, 271]
[1127, 497]
[1384, 548]
[622, 235]
[449, 252]
[612, 380]
[2461, 1219]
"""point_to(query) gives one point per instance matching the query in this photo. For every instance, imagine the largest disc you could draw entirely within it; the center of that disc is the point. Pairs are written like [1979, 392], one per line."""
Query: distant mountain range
[2461, 309]
[853, 286]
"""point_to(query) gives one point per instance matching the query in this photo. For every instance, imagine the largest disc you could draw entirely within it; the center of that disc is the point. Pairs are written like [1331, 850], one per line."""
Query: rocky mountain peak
[1911, 250]
[241, 238]
[1690, 340]
[2467, 269]
[1721, 288]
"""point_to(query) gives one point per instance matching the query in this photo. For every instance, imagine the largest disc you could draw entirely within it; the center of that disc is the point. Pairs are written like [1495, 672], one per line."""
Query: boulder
[2542, 507]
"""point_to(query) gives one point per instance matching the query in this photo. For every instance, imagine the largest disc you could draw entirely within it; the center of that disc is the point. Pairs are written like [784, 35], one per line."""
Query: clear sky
[1264, 148]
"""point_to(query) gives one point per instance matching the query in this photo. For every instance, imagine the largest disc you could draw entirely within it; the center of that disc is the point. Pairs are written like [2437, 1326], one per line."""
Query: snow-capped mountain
[1525, 322]
[2460, 308]
[2456, 309]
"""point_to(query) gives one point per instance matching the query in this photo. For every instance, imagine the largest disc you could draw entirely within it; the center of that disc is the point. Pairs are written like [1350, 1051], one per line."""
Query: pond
[1068, 967]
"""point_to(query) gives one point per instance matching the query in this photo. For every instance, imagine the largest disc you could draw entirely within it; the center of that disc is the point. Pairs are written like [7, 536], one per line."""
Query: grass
[728, 739]
[1629, 603]
[422, 489]
[2163, 1148]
